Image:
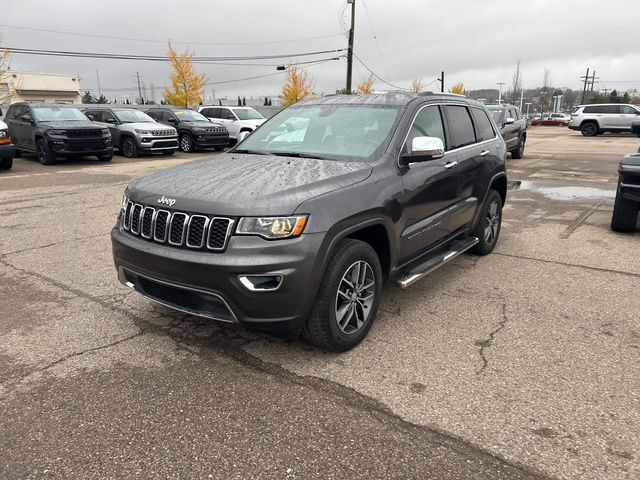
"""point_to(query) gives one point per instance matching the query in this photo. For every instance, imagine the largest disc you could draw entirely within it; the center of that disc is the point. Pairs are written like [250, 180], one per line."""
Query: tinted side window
[518, 114]
[155, 115]
[484, 129]
[428, 123]
[226, 114]
[615, 109]
[460, 126]
[214, 113]
[628, 110]
[166, 115]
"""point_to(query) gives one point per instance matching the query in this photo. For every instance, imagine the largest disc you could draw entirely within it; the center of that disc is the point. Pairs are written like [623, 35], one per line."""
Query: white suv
[236, 119]
[608, 117]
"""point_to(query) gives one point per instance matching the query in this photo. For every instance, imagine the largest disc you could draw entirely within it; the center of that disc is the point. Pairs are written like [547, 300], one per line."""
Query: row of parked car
[57, 131]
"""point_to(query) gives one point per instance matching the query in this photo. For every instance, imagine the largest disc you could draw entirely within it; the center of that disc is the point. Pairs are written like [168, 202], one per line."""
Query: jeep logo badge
[167, 201]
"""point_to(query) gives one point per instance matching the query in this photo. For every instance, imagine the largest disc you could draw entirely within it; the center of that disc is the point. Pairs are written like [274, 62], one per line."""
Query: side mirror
[26, 118]
[232, 118]
[91, 117]
[112, 121]
[172, 120]
[243, 135]
[423, 149]
[509, 121]
[635, 128]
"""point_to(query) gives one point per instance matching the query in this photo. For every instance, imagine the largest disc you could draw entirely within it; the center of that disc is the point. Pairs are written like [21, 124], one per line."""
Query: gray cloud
[472, 41]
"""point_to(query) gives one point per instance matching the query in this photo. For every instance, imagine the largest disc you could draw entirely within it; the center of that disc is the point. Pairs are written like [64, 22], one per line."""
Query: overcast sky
[476, 42]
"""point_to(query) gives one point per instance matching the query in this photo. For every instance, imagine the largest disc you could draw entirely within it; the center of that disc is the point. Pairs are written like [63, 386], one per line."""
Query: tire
[128, 148]
[518, 152]
[488, 227]
[219, 149]
[186, 143]
[44, 153]
[6, 163]
[322, 328]
[589, 129]
[105, 158]
[625, 214]
[17, 153]
[169, 153]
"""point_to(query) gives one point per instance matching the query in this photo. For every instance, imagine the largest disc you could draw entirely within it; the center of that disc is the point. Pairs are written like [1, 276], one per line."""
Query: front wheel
[106, 158]
[625, 215]
[186, 143]
[6, 163]
[129, 148]
[518, 152]
[45, 155]
[488, 227]
[348, 298]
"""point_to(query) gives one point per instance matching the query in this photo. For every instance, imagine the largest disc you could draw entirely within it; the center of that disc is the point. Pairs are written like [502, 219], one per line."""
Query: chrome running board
[436, 262]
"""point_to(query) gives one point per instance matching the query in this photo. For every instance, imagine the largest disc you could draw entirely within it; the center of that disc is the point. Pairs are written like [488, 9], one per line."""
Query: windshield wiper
[250, 152]
[299, 155]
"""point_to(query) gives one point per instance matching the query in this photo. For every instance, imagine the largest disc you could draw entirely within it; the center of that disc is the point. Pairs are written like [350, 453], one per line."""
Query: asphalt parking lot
[521, 364]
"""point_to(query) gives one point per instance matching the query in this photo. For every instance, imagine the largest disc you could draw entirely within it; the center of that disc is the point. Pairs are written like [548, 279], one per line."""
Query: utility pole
[350, 50]
[442, 82]
[98, 77]
[528, 104]
[584, 89]
[139, 88]
[521, 98]
[500, 84]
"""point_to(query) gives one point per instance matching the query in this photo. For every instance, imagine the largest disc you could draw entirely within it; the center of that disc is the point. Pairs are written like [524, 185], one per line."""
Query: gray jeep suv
[513, 127]
[297, 228]
[134, 132]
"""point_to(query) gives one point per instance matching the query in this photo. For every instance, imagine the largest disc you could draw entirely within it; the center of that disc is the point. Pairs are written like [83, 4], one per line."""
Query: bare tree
[6, 87]
[516, 83]
[546, 79]
[417, 85]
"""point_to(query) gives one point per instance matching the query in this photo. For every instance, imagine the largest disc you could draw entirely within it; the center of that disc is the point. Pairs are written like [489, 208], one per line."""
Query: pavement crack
[53, 244]
[486, 343]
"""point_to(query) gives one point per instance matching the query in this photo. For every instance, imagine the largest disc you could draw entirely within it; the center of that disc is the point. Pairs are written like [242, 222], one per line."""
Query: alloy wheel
[354, 299]
[492, 223]
[185, 143]
[128, 148]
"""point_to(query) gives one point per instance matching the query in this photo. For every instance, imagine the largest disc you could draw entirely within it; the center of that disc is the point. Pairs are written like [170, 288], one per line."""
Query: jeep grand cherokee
[297, 228]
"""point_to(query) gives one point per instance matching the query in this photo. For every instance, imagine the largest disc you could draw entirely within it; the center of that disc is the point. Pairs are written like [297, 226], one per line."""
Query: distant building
[37, 87]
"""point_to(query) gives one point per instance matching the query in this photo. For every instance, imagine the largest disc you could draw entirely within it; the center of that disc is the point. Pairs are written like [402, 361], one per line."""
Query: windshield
[57, 114]
[190, 116]
[133, 116]
[496, 114]
[247, 114]
[333, 132]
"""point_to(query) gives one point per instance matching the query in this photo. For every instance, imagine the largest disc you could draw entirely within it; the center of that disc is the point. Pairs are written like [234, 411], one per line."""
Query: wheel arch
[590, 120]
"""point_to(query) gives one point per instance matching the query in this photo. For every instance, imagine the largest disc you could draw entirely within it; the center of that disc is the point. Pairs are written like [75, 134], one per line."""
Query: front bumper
[207, 281]
[210, 141]
[80, 147]
[7, 150]
[157, 144]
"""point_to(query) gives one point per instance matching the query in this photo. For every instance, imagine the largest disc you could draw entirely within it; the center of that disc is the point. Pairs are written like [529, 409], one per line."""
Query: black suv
[195, 131]
[56, 131]
[627, 204]
[513, 127]
[297, 228]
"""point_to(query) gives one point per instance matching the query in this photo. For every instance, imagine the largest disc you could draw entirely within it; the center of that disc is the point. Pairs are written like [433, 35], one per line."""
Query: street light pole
[500, 84]
[528, 104]
[350, 50]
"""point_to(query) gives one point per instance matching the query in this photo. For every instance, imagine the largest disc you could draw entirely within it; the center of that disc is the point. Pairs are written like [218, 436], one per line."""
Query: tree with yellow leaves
[417, 85]
[297, 86]
[186, 85]
[458, 88]
[366, 86]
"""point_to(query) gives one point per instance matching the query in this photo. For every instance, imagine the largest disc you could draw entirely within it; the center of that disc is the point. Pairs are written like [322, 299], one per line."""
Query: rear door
[628, 115]
[18, 129]
[610, 116]
[429, 189]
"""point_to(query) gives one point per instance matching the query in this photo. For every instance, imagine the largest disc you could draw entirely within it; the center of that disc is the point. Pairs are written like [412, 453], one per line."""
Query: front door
[429, 189]
[628, 115]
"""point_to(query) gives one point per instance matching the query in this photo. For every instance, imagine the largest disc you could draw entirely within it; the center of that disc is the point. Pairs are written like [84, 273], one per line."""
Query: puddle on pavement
[563, 193]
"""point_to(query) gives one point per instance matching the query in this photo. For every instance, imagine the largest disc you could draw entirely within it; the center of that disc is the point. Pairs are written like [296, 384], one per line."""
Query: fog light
[261, 283]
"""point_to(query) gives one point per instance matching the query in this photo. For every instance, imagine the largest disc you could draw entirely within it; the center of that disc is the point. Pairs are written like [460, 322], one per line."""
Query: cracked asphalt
[521, 364]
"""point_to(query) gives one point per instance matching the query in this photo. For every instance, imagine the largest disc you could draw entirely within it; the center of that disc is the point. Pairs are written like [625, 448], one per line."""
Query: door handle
[450, 164]
[485, 153]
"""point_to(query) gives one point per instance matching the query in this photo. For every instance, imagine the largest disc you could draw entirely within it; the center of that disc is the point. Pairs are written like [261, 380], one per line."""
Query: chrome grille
[163, 133]
[177, 229]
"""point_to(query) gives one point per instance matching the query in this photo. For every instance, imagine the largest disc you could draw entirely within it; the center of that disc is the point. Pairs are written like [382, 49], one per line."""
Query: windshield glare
[335, 132]
[248, 114]
[133, 116]
[57, 114]
[190, 116]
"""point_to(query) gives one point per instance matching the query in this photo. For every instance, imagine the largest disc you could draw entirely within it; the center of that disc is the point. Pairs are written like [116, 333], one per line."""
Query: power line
[378, 76]
[154, 58]
[78, 34]
[375, 37]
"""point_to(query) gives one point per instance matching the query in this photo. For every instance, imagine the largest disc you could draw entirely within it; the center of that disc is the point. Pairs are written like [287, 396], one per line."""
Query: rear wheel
[17, 153]
[44, 153]
[488, 227]
[518, 152]
[625, 215]
[129, 148]
[6, 163]
[348, 298]
[589, 129]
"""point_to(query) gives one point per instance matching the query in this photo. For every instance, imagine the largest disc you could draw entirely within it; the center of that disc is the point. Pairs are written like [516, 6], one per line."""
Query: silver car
[591, 120]
[134, 132]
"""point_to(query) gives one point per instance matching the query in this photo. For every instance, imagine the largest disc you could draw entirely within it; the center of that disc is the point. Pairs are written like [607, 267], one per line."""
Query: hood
[202, 124]
[239, 184]
[73, 124]
[252, 123]
[148, 126]
[3, 126]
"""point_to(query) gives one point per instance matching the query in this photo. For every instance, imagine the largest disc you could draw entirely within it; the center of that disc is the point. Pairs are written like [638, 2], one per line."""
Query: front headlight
[57, 133]
[272, 227]
[141, 132]
[125, 200]
[4, 133]
[200, 130]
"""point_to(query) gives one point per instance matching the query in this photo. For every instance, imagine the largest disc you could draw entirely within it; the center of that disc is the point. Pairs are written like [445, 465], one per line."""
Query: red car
[561, 119]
